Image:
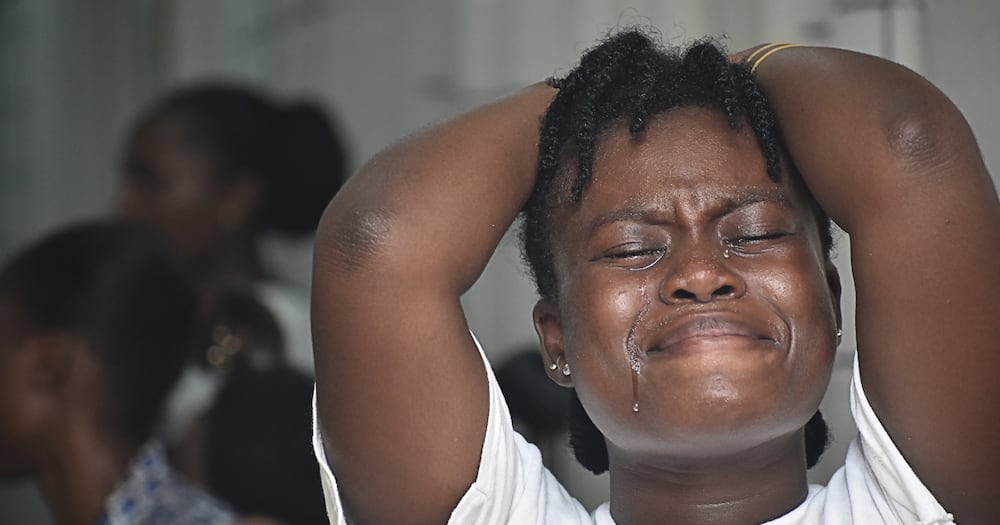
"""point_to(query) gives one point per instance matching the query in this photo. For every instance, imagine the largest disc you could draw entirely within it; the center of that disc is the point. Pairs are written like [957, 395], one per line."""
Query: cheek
[599, 311]
[803, 301]
[796, 288]
[601, 315]
[18, 428]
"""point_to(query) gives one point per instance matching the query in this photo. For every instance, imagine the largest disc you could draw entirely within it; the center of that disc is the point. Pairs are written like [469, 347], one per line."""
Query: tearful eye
[637, 259]
[750, 242]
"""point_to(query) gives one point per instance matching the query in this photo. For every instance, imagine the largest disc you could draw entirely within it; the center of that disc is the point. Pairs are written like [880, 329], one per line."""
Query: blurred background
[74, 76]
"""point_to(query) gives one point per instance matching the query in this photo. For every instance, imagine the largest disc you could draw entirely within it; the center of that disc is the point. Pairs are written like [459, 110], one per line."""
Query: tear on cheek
[632, 351]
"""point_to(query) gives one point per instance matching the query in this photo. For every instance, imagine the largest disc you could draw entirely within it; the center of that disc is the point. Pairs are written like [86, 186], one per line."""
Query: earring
[565, 370]
[553, 366]
[840, 336]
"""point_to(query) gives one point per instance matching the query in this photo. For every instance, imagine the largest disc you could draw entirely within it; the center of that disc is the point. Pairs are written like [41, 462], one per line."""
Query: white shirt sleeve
[512, 486]
[885, 469]
[875, 485]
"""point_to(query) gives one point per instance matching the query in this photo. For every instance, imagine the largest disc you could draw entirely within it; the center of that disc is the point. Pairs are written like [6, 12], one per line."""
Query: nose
[704, 274]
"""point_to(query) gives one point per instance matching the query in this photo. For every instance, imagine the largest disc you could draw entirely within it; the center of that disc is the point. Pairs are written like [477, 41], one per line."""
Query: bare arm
[895, 164]
[402, 396]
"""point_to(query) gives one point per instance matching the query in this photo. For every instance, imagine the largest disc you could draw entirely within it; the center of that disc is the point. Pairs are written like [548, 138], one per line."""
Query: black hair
[626, 81]
[533, 399]
[123, 291]
[295, 152]
[258, 454]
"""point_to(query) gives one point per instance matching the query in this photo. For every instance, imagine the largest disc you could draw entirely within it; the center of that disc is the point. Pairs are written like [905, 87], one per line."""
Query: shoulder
[875, 484]
[154, 494]
[512, 485]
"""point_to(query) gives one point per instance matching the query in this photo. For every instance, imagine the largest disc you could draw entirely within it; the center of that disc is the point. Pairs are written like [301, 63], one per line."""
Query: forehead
[687, 161]
[691, 150]
[689, 165]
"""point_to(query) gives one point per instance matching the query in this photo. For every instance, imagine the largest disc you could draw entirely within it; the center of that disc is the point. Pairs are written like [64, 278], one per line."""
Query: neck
[81, 473]
[748, 488]
[233, 263]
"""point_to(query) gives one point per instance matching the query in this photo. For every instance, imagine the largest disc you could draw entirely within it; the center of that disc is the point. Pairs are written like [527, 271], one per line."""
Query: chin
[723, 421]
[10, 472]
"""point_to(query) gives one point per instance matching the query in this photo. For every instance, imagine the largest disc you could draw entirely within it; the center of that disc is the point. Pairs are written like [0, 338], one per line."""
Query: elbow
[349, 240]
[925, 132]
[916, 139]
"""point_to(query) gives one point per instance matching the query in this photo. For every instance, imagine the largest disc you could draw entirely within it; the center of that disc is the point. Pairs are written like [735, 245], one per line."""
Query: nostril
[682, 294]
[724, 290]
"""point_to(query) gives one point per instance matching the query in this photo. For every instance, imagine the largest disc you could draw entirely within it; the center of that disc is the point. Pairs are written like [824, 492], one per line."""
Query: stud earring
[565, 370]
[553, 366]
[840, 336]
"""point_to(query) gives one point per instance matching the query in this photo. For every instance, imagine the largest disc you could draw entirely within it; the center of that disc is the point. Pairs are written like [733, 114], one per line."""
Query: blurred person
[251, 448]
[257, 459]
[95, 321]
[537, 405]
[677, 208]
[215, 167]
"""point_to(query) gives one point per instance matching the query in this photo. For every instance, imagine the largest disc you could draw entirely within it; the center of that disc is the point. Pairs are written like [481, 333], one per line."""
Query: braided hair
[626, 81]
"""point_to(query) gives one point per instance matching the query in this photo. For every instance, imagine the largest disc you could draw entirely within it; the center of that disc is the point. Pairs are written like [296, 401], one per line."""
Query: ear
[240, 197]
[51, 361]
[548, 326]
[833, 282]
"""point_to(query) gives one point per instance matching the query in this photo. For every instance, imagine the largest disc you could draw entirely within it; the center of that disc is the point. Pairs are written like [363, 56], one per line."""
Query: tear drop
[635, 389]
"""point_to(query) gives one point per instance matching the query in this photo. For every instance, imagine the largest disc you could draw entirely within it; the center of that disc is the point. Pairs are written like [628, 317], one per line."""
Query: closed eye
[751, 239]
[751, 244]
[637, 259]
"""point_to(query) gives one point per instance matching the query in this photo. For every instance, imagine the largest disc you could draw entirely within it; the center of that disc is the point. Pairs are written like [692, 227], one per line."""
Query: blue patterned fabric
[153, 494]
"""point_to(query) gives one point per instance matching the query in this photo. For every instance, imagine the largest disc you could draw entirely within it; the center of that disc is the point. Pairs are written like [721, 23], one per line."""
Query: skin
[895, 165]
[734, 352]
[180, 191]
[51, 424]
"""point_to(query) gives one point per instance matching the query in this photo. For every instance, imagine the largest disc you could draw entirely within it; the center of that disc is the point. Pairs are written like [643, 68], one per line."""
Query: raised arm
[895, 164]
[401, 391]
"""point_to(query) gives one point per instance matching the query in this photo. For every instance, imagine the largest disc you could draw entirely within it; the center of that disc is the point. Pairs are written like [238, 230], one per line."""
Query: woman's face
[174, 188]
[693, 288]
[19, 418]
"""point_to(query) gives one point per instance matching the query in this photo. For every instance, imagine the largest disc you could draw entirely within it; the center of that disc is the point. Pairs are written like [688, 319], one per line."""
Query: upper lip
[706, 324]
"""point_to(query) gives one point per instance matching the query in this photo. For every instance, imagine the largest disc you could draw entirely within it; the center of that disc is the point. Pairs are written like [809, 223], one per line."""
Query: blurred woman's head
[95, 322]
[212, 165]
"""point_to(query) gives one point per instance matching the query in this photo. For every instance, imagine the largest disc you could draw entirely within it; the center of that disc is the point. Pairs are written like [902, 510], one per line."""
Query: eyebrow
[728, 205]
[749, 197]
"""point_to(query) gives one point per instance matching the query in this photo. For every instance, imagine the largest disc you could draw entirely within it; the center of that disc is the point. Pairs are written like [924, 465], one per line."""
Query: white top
[875, 484]
[289, 304]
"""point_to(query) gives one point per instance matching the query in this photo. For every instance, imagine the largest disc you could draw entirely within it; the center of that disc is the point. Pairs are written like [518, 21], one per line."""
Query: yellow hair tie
[770, 50]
